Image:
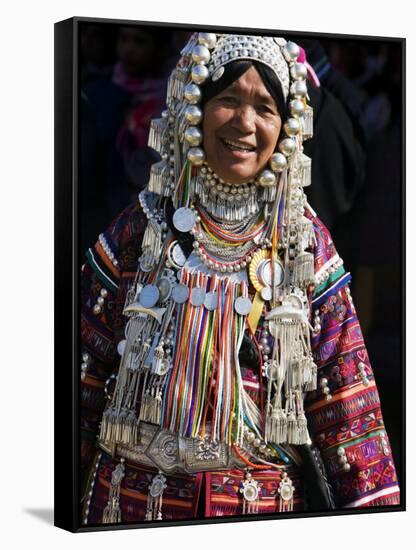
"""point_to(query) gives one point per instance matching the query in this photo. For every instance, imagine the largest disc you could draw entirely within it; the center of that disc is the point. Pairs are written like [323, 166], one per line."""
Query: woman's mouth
[237, 146]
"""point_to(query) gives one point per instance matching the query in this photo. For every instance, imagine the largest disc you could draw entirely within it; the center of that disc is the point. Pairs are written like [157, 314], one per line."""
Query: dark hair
[233, 71]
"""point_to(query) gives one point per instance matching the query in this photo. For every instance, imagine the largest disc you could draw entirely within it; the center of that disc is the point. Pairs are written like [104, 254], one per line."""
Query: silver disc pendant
[165, 288]
[243, 305]
[149, 296]
[197, 297]
[251, 492]
[266, 293]
[266, 273]
[184, 219]
[180, 294]
[178, 256]
[211, 300]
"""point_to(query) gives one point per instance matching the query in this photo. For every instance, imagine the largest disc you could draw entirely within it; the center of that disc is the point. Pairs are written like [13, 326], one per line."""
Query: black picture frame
[67, 270]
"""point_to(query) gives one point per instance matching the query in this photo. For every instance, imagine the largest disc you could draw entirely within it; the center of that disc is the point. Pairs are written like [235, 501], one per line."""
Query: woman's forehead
[250, 83]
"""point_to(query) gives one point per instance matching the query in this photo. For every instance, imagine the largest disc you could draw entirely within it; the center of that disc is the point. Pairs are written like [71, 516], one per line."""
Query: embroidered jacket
[344, 414]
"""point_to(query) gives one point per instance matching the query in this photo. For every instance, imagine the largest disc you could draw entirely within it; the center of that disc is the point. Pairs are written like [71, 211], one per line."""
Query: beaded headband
[258, 48]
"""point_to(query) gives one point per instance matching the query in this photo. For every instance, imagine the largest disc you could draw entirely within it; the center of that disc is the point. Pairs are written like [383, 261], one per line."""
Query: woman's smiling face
[240, 129]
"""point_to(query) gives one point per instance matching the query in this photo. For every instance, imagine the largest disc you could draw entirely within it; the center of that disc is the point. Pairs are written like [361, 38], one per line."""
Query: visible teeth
[237, 146]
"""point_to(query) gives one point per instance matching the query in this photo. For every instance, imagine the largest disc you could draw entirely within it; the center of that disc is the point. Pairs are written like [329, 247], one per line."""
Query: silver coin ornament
[121, 346]
[180, 294]
[149, 296]
[177, 255]
[251, 492]
[184, 219]
[266, 273]
[243, 305]
[266, 293]
[211, 300]
[197, 296]
[165, 288]
[157, 487]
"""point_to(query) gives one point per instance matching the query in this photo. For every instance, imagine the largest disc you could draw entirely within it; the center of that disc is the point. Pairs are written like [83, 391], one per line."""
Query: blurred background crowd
[356, 92]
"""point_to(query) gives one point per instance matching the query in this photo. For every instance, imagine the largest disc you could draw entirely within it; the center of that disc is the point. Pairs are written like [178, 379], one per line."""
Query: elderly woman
[224, 370]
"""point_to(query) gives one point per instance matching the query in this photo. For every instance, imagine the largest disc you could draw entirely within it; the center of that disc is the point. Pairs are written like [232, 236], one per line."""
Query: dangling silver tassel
[303, 270]
[310, 374]
[269, 193]
[112, 512]
[307, 123]
[155, 498]
[286, 491]
[158, 174]
[292, 425]
[276, 424]
[251, 494]
[157, 134]
[176, 83]
[302, 424]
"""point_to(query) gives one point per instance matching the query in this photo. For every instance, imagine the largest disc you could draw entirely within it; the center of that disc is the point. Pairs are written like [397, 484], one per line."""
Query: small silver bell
[192, 93]
[200, 54]
[207, 39]
[267, 178]
[291, 51]
[297, 107]
[278, 162]
[298, 71]
[193, 136]
[196, 155]
[193, 114]
[199, 74]
[287, 147]
[292, 127]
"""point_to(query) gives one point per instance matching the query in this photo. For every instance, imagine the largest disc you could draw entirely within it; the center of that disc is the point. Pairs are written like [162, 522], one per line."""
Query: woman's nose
[244, 119]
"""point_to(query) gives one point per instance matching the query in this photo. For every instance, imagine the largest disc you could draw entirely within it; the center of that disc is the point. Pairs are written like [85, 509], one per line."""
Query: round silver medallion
[178, 256]
[266, 293]
[165, 288]
[286, 491]
[180, 294]
[250, 492]
[184, 219]
[149, 296]
[211, 300]
[198, 297]
[265, 273]
[243, 305]
[157, 487]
